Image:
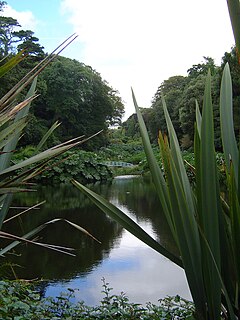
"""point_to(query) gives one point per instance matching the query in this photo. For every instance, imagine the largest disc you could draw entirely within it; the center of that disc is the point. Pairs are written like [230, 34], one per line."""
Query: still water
[124, 261]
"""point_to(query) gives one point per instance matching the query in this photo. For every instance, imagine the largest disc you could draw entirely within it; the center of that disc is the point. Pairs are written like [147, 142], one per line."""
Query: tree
[12, 39]
[2, 5]
[187, 111]
[194, 92]
[84, 105]
[202, 68]
[8, 36]
[171, 89]
[29, 43]
[180, 94]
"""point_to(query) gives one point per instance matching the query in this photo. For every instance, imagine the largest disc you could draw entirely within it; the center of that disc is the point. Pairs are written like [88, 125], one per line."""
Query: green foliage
[130, 151]
[23, 154]
[79, 164]
[131, 128]
[20, 300]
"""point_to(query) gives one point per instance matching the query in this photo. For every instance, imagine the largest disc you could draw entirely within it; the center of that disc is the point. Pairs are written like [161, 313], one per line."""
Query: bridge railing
[118, 164]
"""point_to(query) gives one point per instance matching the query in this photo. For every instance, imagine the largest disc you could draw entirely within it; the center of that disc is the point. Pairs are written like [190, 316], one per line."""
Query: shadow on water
[117, 252]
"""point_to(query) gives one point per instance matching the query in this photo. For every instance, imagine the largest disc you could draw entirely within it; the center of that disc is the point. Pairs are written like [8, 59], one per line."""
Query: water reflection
[124, 261]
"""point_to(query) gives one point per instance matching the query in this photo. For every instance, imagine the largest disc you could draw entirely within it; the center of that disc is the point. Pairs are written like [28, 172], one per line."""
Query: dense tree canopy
[76, 95]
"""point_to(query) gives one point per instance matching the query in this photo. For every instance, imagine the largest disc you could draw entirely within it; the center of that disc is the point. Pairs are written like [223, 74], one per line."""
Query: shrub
[82, 165]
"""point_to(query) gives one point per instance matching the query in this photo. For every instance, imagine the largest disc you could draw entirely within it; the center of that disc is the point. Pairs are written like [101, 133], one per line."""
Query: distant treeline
[77, 96]
[181, 94]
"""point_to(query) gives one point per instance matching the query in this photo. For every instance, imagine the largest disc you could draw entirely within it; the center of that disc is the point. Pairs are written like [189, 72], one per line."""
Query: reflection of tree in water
[38, 262]
[136, 195]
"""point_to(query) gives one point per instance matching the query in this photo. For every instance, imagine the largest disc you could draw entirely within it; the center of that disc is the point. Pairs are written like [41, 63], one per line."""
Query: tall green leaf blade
[38, 229]
[209, 220]
[7, 66]
[198, 119]
[47, 154]
[197, 160]
[234, 12]
[126, 222]
[235, 225]
[178, 161]
[5, 205]
[188, 238]
[47, 135]
[157, 175]
[183, 206]
[226, 119]
[10, 132]
[6, 157]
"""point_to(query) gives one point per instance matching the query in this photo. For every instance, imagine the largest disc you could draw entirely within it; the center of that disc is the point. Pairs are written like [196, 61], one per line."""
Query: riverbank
[21, 300]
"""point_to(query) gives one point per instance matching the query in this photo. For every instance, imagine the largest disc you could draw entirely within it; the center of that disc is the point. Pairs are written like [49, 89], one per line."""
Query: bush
[82, 165]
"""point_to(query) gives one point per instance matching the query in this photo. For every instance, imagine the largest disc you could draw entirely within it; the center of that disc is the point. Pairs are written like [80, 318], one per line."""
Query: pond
[124, 261]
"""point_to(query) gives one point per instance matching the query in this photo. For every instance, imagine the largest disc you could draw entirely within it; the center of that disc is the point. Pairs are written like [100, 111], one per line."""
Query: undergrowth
[20, 300]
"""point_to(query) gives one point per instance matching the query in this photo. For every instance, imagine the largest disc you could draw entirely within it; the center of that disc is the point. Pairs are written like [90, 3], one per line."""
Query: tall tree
[29, 43]
[8, 36]
[2, 5]
[13, 39]
[76, 95]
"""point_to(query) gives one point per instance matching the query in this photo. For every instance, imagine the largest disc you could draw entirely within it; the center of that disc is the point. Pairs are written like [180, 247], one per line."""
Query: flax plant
[205, 227]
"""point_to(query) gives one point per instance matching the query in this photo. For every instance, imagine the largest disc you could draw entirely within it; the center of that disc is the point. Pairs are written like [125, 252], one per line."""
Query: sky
[131, 43]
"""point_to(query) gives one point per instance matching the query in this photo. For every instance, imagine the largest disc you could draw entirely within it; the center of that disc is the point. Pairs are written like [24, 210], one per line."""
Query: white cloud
[25, 18]
[140, 43]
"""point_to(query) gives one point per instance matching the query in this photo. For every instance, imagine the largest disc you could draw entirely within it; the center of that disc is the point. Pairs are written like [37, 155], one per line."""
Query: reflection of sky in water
[131, 267]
